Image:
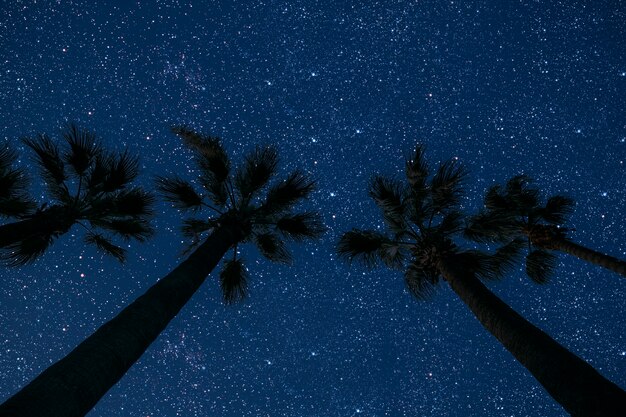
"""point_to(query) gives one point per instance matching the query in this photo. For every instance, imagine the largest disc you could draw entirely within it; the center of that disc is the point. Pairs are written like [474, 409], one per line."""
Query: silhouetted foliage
[14, 199]
[87, 186]
[245, 195]
[516, 211]
[245, 207]
[423, 222]
[424, 226]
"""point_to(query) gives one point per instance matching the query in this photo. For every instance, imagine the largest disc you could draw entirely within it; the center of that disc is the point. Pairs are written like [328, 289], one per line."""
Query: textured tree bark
[591, 256]
[73, 385]
[572, 382]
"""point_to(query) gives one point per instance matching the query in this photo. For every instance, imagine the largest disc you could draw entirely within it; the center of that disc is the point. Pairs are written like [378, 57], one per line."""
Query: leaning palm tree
[86, 186]
[423, 224]
[515, 211]
[72, 386]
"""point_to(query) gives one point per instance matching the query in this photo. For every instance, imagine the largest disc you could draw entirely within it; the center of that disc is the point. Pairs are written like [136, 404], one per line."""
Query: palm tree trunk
[591, 256]
[573, 383]
[554, 238]
[73, 385]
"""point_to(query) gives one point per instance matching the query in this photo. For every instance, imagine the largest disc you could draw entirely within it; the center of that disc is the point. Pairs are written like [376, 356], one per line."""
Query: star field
[345, 90]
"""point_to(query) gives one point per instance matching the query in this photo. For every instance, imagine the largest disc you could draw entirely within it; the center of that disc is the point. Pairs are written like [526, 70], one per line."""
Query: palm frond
[446, 184]
[14, 200]
[520, 195]
[83, 147]
[134, 202]
[478, 263]
[540, 265]
[179, 192]
[392, 254]
[8, 156]
[123, 169]
[99, 172]
[215, 169]
[420, 282]
[25, 251]
[557, 209]
[516, 184]
[213, 160]
[256, 171]
[193, 228]
[13, 181]
[506, 256]
[19, 206]
[495, 200]
[416, 170]
[492, 226]
[60, 192]
[272, 247]
[417, 207]
[209, 146]
[234, 281]
[363, 246]
[451, 223]
[128, 228]
[301, 226]
[388, 194]
[105, 246]
[48, 158]
[284, 195]
[190, 137]
[217, 191]
[527, 203]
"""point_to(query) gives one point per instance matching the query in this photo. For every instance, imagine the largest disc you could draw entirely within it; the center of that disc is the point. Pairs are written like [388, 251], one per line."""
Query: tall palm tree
[86, 185]
[72, 386]
[423, 223]
[515, 211]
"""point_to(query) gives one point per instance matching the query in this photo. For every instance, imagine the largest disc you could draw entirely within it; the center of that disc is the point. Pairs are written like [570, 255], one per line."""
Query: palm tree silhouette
[72, 386]
[423, 224]
[86, 186]
[515, 211]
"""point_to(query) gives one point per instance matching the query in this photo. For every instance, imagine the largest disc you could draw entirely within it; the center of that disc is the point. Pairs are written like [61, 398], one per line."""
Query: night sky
[345, 90]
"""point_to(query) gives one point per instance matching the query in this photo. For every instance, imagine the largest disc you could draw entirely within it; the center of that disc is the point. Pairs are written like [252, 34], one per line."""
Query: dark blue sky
[344, 89]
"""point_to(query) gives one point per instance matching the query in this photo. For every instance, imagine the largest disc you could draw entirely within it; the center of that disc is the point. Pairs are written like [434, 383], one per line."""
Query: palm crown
[245, 196]
[88, 186]
[515, 211]
[423, 221]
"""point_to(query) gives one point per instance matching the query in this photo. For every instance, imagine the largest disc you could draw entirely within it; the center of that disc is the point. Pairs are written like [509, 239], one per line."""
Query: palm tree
[423, 224]
[86, 185]
[72, 386]
[515, 211]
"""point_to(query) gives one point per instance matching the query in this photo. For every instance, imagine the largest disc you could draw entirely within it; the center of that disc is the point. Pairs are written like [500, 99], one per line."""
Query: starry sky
[345, 90]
